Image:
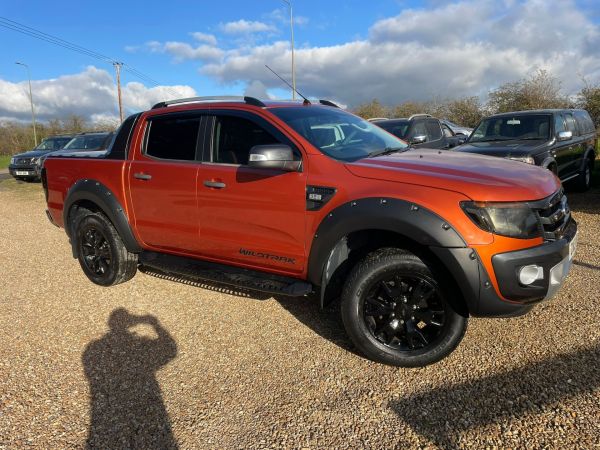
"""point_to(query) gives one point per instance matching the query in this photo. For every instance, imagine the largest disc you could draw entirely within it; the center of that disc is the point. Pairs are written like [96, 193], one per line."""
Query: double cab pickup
[304, 198]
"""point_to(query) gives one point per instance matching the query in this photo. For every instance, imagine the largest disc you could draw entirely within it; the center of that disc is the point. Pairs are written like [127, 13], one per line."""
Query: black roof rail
[221, 98]
[328, 103]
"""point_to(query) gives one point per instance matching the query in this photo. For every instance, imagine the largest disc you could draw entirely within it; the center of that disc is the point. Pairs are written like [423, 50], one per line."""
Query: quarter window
[173, 138]
[235, 136]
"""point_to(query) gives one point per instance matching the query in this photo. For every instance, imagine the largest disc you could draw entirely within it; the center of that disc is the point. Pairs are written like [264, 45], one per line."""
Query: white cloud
[91, 94]
[209, 39]
[245, 26]
[450, 50]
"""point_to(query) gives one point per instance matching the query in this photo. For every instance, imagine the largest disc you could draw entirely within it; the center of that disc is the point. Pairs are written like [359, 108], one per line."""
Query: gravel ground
[203, 368]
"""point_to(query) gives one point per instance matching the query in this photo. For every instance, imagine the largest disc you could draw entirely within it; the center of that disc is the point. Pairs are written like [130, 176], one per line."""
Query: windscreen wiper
[387, 151]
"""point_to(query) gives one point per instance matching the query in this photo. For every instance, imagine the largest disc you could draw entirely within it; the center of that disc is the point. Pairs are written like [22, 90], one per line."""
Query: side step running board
[220, 273]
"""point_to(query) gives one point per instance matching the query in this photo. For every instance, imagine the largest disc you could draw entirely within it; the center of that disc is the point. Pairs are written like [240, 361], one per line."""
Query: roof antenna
[305, 102]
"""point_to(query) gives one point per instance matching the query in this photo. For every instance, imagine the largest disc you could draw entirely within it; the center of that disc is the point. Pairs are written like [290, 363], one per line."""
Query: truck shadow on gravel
[127, 409]
[443, 414]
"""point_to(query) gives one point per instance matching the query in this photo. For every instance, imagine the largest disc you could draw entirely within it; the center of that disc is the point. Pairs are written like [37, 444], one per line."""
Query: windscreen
[336, 133]
[517, 127]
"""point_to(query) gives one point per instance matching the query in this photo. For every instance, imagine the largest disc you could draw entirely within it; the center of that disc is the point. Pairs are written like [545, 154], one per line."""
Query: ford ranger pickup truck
[296, 198]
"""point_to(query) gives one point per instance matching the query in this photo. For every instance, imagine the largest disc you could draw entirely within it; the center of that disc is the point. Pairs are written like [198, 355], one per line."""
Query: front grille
[24, 161]
[554, 215]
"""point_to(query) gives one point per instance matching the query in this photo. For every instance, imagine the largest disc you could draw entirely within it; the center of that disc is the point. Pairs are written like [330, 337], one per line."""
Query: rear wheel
[100, 250]
[395, 311]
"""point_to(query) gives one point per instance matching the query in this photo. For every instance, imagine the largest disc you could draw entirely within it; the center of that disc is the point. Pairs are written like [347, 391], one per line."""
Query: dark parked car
[88, 144]
[25, 166]
[422, 130]
[562, 140]
[457, 129]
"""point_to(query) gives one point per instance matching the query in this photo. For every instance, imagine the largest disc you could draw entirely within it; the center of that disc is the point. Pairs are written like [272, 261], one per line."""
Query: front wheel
[100, 250]
[396, 312]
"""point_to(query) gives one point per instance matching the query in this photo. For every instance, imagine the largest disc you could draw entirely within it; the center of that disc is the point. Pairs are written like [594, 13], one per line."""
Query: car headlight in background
[12, 160]
[525, 159]
[505, 219]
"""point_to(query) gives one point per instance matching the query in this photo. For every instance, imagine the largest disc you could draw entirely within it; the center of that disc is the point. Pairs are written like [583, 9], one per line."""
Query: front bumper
[31, 171]
[482, 299]
[555, 259]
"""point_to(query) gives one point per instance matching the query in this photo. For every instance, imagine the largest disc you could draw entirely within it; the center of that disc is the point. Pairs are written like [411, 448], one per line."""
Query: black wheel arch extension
[356, 224]
[89, 191]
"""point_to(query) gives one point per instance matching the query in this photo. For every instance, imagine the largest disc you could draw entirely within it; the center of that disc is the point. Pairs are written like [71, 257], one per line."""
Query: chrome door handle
[142, 176]
[214, 184]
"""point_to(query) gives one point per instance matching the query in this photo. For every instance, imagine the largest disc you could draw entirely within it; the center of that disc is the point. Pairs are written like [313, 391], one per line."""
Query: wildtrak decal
[254, 254]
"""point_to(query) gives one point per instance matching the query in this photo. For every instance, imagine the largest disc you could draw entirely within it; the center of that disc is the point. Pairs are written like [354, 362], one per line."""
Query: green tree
[466, 111]
[541, 90]
[589, 99]
[371, 109]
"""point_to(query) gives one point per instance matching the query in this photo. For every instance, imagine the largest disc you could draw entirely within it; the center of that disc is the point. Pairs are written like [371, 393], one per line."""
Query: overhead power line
[29, 31]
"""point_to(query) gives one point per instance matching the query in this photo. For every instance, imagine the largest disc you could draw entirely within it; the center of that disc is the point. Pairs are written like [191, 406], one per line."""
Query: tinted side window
[559, 123]
[434, 132]
[419, 129]
[173, 137]
[571, 126]
[235, 136]
[584, 122]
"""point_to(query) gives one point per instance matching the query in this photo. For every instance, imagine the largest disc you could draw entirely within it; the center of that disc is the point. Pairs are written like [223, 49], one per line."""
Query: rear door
[162, 182]
[249, 216]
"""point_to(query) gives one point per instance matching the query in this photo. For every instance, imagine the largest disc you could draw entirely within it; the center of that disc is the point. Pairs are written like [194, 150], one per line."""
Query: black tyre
[584, 181]
[395, 311]
[100, 250]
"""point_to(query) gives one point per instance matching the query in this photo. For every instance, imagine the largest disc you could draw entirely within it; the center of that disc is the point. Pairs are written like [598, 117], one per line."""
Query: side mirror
[418, 139]
[564, 135]
[275, 156]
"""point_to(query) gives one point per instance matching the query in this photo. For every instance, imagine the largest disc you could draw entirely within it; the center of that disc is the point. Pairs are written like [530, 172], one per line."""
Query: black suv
[26, 166]
[562, 140]
[89, 144]
[422, 130]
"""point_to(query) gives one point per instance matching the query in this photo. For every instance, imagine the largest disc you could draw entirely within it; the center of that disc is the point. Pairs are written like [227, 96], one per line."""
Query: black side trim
[100, 195]
[387, 214]
[220, 273]
[318, 196]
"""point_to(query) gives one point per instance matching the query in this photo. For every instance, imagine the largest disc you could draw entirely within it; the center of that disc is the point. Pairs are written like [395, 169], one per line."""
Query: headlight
[525, 159]
[506, 219]
[35, 160]
[12, 160]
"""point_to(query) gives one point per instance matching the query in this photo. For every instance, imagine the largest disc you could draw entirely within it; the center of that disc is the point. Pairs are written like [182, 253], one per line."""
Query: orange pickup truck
[297, 198]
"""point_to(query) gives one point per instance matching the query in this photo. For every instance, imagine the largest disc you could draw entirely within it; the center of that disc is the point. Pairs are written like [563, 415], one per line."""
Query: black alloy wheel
[404, 312]
[398, 309]
[96, 251]
[102, 255]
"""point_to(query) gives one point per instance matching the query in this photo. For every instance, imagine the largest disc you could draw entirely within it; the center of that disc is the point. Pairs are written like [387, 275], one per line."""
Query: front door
[162, 183]
[249, 216]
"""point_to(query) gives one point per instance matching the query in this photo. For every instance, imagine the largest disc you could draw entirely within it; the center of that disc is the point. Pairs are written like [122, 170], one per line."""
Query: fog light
[531, 273]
